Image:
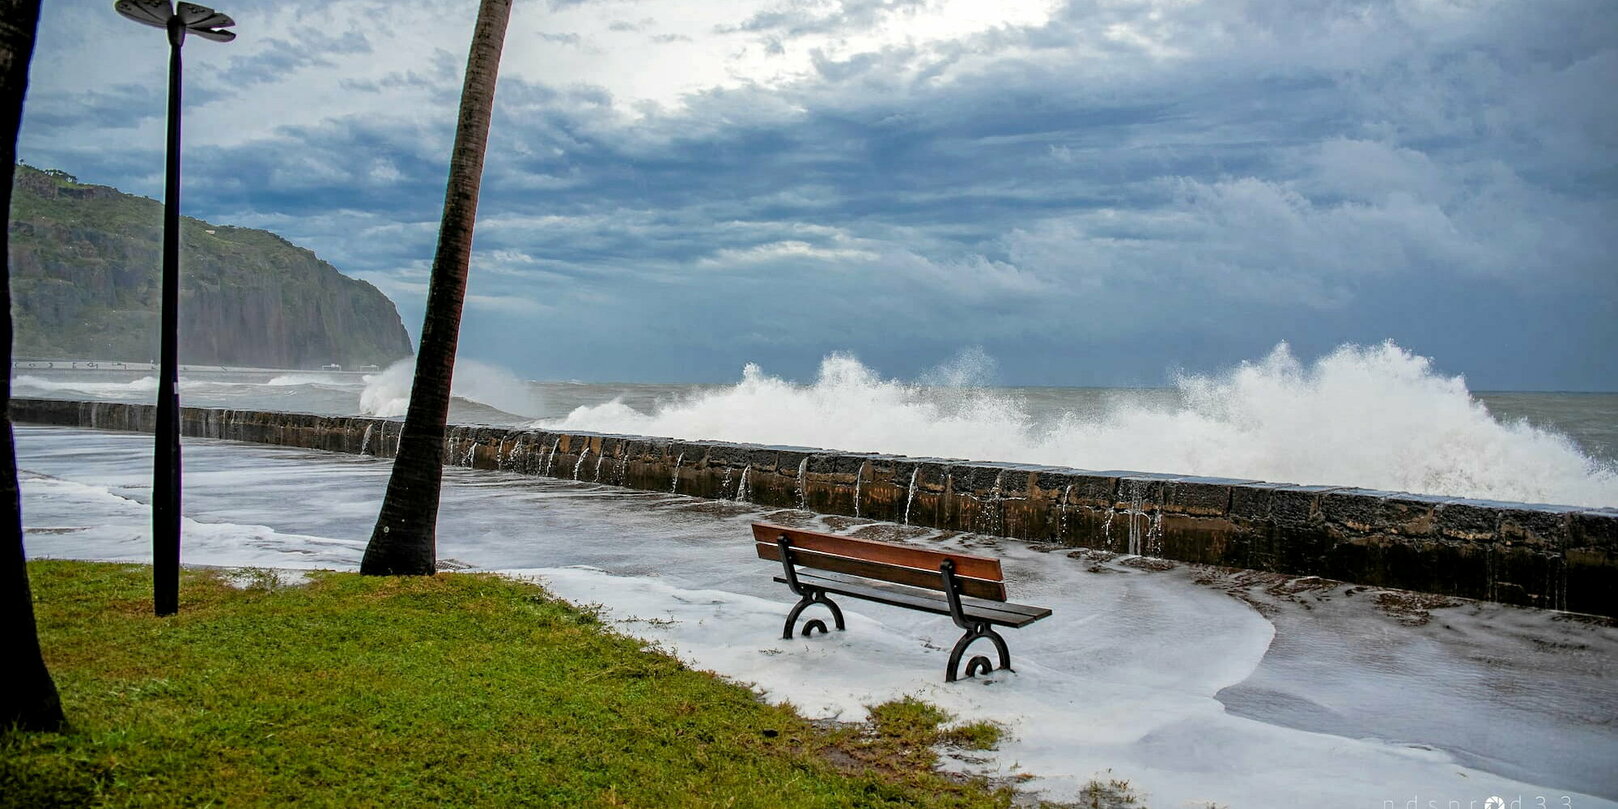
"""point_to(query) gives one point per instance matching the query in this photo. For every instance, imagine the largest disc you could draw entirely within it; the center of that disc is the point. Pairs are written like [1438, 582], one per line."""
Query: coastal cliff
[85, 278]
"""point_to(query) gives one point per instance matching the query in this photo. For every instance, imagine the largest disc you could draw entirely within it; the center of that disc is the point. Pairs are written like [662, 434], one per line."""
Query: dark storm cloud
[1095, 199]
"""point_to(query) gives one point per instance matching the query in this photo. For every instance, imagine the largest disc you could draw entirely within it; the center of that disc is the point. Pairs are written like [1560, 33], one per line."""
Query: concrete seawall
[1561, 557]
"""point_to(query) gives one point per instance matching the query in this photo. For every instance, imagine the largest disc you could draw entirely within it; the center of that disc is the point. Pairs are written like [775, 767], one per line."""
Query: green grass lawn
[459, 689]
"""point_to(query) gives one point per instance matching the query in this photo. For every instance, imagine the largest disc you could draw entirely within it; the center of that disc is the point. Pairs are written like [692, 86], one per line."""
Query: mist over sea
[1374, 417]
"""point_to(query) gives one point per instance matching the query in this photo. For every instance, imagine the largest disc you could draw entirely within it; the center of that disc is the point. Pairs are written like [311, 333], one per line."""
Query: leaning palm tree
[404, 540]
[30, 701]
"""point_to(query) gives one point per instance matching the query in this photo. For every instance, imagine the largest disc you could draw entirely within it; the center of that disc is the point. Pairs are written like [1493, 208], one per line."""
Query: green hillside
[85, 283]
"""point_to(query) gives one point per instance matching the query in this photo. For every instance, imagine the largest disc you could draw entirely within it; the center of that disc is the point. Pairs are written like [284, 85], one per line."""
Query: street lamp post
[177, 21]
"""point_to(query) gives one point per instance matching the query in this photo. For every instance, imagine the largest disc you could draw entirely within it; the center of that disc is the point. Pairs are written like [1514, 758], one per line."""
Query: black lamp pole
[204, 22]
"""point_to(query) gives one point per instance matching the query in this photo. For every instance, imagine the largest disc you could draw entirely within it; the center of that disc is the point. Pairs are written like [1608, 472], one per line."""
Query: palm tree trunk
[31, 701]
[404, 541]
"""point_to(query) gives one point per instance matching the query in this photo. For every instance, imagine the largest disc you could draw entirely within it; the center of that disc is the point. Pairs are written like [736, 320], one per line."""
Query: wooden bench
[971, 590]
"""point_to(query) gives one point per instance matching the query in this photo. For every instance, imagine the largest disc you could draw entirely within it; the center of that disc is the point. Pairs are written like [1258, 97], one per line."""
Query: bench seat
[1000, 613]
[970, 589]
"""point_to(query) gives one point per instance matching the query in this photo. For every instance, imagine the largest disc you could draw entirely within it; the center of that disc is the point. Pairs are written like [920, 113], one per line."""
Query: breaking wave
[1375, 417]
[146, 384]
[388, 393]
[290, 380]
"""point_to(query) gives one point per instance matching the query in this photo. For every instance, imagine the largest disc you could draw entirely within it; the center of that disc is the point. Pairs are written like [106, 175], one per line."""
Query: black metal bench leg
[812, 596]
[980, 664]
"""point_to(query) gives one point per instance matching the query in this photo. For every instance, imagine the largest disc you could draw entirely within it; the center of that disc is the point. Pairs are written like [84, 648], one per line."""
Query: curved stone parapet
[1559, 557]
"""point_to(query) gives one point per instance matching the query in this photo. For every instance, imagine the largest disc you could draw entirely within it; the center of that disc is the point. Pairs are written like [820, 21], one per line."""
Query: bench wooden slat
[897, 595]
[977, 567]
[977, 588]
[1034, 613]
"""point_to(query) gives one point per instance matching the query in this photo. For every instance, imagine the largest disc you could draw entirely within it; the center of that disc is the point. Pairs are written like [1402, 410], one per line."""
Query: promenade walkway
[1195, 686]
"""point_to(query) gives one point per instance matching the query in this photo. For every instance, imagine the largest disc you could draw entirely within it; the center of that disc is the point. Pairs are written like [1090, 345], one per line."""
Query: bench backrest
[977, 576]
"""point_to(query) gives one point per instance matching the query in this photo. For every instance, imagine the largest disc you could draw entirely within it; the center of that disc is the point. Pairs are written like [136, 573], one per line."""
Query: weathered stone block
[1201, 539]
[1208, 497]
[1468, 519]
[1358, 510]
[978, 479]
[689, 453]
[1542, 526]
[771, 488]
[1593, 528]
[1139, 493]
[1251, 504]
[1015, 482]
[1447, 567]
[1297, 505]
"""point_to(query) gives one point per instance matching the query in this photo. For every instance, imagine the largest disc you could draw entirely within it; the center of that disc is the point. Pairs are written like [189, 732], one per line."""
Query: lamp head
[186, 18]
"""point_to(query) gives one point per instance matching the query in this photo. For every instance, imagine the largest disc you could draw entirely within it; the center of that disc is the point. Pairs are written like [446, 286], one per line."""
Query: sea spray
[989, 520]
[1144, 526]
[290, 380]
[550, 457]
[1374, 417]
[1065, 505]
[516, 457]
[388, 393]
[910, 497]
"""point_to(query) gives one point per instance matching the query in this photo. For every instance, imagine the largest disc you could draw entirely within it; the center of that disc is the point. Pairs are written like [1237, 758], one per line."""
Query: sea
[1376, 417]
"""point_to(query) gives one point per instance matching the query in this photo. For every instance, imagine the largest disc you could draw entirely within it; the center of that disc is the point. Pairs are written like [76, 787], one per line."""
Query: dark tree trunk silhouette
[404, 541]
[30, 702]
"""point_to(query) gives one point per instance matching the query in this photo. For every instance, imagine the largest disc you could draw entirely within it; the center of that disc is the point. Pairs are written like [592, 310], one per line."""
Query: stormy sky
[1093, 192]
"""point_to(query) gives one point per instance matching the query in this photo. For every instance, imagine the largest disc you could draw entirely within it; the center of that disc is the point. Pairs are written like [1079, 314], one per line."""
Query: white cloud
[785, 250]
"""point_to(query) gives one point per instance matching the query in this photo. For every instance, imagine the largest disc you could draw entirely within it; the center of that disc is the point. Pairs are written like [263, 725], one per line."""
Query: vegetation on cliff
[85, 264]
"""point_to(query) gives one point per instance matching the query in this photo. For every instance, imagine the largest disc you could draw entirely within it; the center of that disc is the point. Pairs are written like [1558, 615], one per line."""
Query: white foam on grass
[1148, 716]
[247, 578]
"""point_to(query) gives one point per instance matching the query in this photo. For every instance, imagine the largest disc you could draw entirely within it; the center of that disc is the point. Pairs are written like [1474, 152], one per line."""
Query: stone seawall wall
[1562, 557]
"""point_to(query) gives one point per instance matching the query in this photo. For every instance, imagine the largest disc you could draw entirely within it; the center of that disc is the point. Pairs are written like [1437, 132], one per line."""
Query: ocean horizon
[1373, 418]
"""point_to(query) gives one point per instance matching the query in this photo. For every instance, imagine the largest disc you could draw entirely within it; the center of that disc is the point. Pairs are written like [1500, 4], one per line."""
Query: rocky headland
[85, 280]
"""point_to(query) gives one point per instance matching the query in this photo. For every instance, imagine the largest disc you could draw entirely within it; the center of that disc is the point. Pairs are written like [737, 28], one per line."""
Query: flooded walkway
[1195, 686]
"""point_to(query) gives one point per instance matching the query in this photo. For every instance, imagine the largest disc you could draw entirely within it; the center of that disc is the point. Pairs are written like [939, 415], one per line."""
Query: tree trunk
[404, 540]
[30, 702]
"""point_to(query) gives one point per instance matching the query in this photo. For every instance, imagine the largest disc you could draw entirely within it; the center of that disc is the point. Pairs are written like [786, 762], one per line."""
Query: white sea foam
[74, 519]
[388, 393]
[146, 384]
[286, 380]
[1133, 696]
[1376, 417]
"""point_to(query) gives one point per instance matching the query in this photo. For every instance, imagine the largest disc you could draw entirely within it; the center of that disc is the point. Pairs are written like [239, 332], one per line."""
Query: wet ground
[1196, 685]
